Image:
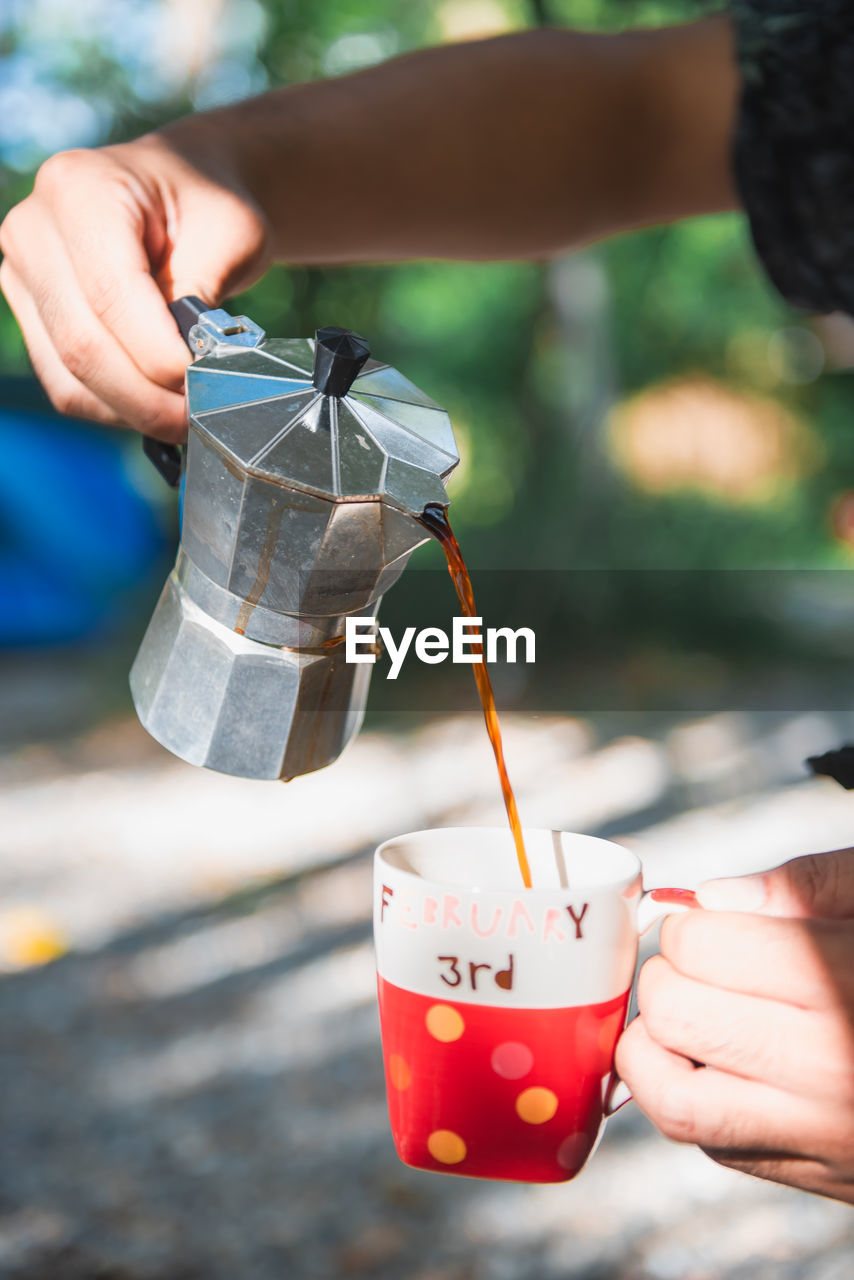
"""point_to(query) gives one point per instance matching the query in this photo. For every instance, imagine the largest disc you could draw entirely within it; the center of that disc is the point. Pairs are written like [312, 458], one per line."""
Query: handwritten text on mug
[446, 912]
[503, 978]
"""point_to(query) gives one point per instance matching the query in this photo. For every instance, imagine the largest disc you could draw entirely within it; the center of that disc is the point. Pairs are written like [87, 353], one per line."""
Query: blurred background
[657, 474]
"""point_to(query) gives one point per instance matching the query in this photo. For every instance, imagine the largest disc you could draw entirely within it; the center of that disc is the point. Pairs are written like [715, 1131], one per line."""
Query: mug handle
[653, 906]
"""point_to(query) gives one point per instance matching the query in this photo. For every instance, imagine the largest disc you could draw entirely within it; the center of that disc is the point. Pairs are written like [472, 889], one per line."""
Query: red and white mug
[501, 1006]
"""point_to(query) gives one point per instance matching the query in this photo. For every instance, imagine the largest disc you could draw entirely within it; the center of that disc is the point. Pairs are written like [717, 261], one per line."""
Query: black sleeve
[794, 144]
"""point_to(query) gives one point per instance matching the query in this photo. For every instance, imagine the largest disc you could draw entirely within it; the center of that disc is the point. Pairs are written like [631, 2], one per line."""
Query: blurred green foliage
[529, 358]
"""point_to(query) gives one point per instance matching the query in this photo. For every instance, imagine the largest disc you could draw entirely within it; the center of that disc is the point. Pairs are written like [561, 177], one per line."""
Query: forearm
[517, 147]
[520, 146]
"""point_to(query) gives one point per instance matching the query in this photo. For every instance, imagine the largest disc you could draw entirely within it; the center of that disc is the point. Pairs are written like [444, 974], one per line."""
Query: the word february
[467, 643]
[447, 912]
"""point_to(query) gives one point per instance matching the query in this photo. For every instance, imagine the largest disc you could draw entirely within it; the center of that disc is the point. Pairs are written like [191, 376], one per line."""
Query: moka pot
[307, 467]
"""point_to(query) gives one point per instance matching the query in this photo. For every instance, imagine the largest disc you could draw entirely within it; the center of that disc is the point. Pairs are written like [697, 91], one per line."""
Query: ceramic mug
[501, 1006]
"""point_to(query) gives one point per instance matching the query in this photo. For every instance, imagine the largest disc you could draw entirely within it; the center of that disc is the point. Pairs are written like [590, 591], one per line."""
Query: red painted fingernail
[675, 897]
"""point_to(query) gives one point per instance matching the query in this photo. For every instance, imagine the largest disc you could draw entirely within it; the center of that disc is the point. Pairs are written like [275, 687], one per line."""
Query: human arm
[516, 147]
[744, 1043]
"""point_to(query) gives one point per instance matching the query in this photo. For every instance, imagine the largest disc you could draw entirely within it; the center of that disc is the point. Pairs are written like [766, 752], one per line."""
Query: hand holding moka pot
[307, 467]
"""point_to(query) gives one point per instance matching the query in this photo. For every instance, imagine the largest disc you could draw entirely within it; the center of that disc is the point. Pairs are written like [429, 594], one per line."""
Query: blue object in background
[76, 537]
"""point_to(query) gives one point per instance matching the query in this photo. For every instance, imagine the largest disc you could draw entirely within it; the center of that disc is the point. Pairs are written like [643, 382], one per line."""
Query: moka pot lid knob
[339, 355]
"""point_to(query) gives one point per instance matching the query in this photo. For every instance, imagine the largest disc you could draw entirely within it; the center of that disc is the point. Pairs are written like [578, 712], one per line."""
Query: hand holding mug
[744, 1043]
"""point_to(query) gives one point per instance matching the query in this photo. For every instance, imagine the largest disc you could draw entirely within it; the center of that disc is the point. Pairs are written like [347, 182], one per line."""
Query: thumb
[219, 248]
[818, 884]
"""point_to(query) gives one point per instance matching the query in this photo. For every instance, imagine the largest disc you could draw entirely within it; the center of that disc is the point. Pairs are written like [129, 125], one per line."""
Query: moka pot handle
[169, 458]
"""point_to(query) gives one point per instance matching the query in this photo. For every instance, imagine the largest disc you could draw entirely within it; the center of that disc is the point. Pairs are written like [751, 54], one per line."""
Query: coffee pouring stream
[307, 469]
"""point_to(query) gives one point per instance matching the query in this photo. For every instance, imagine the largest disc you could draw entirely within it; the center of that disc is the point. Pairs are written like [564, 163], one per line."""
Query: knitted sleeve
[794, 144]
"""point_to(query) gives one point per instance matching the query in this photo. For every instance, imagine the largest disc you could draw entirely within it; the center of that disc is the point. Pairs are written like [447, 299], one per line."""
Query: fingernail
[742, 893]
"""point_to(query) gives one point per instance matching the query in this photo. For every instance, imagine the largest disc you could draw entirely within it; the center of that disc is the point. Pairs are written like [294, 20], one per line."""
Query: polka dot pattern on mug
[572, 1152]
[536, 1105]
[488, 1092]
[444, 1023]
[399, 1073]
[446, 1146]
[512, 1060]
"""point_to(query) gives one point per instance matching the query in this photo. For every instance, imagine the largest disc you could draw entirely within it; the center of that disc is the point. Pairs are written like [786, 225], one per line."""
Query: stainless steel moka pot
[305, 472]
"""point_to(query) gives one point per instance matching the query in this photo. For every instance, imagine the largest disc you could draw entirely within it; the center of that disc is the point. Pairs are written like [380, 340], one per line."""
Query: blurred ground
[192, 1088]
